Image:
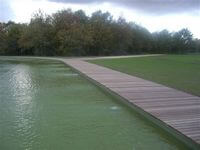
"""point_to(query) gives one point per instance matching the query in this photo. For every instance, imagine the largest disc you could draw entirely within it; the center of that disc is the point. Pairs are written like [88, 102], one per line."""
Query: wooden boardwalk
[177, 109]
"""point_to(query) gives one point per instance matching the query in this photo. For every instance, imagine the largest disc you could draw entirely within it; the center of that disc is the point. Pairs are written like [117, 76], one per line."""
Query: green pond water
[44, 105]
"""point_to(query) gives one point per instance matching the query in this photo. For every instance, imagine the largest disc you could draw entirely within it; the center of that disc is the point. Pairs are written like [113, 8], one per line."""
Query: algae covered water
[44, 105]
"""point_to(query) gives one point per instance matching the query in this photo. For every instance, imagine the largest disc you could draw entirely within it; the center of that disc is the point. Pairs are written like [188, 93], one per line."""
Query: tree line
[69, 33]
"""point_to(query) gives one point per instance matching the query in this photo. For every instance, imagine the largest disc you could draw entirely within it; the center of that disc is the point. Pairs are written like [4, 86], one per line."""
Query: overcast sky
[155, 15]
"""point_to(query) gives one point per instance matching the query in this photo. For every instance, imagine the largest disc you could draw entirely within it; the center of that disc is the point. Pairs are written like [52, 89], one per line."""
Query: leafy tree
[182, 41]
[13, 34]
[99, 27]
[196, 46]
[163, 42]
[68, 33]
[37, 38]
[122, 37]
[75, 41]
[3, 44]
[72, 34]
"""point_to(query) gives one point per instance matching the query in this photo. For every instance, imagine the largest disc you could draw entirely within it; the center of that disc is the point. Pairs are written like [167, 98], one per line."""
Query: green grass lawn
[178, 71]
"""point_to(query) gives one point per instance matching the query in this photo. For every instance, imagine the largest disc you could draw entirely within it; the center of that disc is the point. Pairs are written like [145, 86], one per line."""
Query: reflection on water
[22, 92]
[45, 105]
[22, 85]
[71, 74]
[114, 108]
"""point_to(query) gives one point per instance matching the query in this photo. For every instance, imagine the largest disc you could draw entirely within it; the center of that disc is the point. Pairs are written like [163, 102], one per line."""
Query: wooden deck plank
[156, 95]
[178, 109]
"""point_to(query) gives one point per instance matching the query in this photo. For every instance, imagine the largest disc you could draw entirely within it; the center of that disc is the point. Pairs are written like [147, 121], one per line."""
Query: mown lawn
[178, 71]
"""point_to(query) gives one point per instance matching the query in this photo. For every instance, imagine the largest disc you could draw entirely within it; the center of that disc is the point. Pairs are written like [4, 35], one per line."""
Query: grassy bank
[178, 71]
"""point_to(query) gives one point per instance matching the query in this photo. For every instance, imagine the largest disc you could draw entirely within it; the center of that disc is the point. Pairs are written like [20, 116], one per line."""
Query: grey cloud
[5, 11]
[149, 6]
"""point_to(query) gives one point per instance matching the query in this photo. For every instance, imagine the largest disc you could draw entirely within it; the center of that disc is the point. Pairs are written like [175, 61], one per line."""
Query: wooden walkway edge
[177, 109]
